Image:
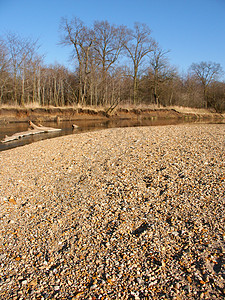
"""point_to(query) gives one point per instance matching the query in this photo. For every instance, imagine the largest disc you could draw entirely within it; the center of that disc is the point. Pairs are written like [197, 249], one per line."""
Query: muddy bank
[49, 114]
[69, 114]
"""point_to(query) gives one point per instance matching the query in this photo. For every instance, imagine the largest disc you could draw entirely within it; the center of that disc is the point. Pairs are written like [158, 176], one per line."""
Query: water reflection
[66, 126]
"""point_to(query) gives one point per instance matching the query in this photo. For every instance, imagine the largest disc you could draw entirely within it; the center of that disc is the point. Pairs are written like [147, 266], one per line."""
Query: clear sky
[194, 30]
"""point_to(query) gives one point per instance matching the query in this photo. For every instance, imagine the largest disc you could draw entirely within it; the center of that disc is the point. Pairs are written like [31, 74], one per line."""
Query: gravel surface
[132, 213]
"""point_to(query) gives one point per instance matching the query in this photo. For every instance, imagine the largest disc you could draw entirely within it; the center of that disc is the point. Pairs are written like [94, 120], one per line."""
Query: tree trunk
[34, 88]
[22, 91]
[39, 87]
[135, 88]
[205, 97]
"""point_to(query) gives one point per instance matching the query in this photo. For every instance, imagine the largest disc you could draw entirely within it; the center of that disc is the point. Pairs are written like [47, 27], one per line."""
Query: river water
[66, 126]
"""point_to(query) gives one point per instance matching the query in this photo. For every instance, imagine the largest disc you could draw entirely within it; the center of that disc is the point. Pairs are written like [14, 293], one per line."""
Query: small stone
[177, 286]
[175, 233]
[201, 295]
[69, 282]
[20, 278]
[189, 279]
[33, 282]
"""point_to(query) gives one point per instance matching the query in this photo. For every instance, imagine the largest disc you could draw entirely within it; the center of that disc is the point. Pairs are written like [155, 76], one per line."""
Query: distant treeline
[112, 64]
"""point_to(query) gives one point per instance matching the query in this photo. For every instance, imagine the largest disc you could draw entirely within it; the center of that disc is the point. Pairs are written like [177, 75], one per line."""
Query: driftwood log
[34, 129]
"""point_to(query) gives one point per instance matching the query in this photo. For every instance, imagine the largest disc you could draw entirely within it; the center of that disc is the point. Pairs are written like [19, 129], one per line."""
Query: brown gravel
[134, 213]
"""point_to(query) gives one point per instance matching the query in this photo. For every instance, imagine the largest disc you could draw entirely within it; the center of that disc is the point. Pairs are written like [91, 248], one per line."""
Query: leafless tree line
[112, 64]
[24, 79]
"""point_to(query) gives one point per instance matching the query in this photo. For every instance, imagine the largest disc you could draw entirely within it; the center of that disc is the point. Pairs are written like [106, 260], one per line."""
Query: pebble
[127, 213]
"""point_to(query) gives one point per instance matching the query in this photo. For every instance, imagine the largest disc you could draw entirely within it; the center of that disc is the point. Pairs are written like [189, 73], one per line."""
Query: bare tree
[21, 54]
[107, 48]
[206, 73]
[75, 33]
[161, 74]
[216, 96]
[4, 69]
[158, 68]
[108, 44]
[138, 46]
[35, 78]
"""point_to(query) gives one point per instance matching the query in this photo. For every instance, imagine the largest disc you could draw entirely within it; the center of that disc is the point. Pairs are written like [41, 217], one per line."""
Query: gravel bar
[126, 213]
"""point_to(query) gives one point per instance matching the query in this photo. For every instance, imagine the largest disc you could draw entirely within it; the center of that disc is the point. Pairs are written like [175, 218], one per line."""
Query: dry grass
[181, 109]
[191, 110]
[27, 106]
[36, 105]
[139, 106]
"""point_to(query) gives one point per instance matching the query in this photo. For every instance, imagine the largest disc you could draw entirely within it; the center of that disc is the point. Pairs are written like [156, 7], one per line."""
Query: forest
[113, 65]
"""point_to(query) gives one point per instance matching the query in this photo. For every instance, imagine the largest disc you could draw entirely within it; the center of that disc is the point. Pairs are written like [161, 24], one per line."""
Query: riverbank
[127, 213]
[50, 114]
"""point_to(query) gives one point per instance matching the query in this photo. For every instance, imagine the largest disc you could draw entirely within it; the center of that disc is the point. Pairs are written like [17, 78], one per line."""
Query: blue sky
[194, 30]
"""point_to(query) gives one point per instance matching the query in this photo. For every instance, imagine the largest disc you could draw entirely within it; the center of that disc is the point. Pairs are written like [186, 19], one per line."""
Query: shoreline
[13, 115]
[119, 213]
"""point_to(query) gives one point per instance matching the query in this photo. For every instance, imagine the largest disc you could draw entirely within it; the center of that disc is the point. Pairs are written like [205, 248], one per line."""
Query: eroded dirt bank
[67, 114]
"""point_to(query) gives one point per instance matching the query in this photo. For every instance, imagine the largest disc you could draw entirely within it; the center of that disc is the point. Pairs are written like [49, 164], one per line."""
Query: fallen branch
[42, 128]
[31, 131]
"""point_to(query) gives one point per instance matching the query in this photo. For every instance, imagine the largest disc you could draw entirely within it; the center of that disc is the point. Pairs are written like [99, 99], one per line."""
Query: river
[66, 126]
